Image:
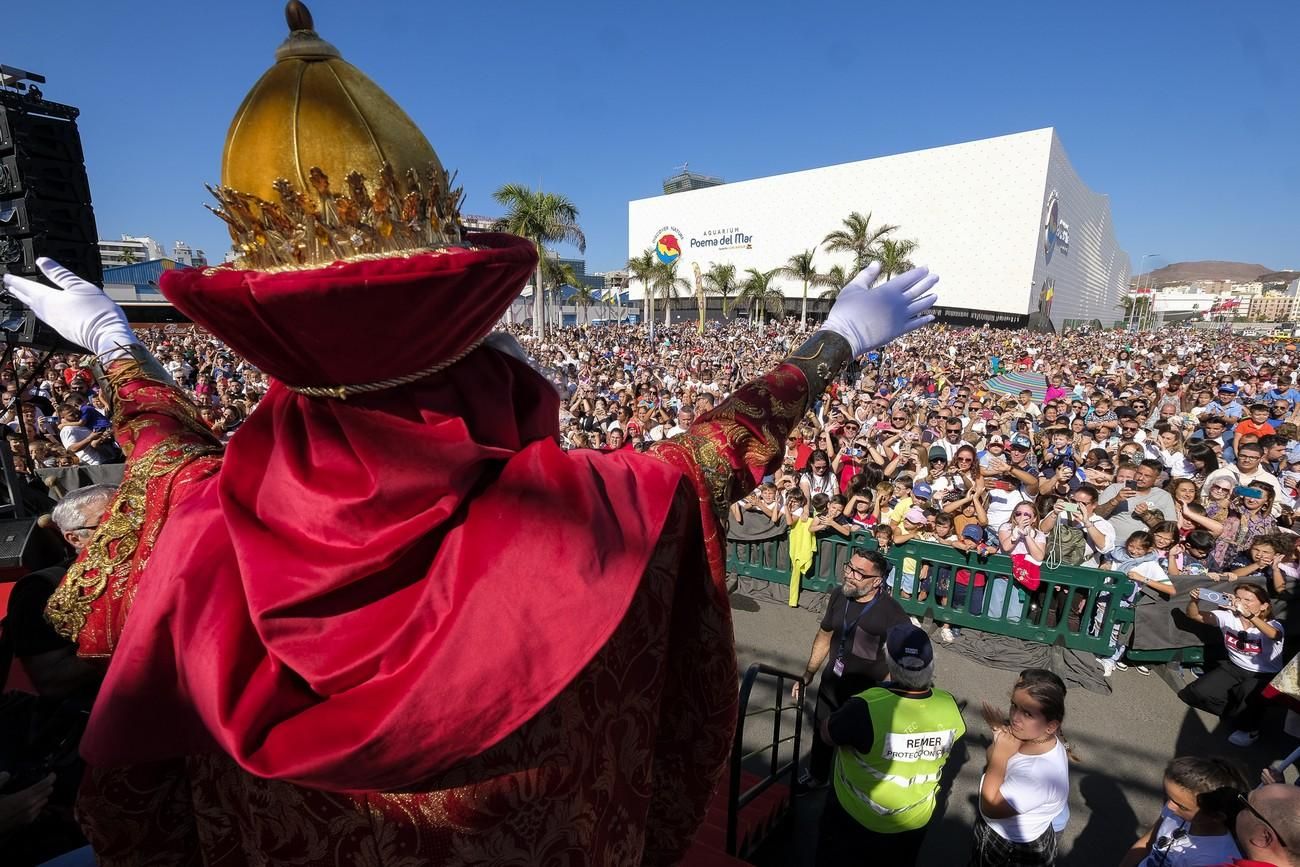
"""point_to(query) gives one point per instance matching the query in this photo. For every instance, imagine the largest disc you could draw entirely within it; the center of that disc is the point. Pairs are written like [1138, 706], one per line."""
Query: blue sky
[1187, 114]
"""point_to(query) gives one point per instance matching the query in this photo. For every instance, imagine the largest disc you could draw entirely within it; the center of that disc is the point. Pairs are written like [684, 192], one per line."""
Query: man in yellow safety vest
[892, 743]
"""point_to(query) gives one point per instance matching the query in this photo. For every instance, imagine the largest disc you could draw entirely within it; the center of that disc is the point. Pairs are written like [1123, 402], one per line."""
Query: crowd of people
[1175, 461]
[1174, 458]
[56, 417]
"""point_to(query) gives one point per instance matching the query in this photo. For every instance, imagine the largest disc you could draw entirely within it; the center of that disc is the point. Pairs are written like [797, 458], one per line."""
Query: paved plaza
[1124, 740]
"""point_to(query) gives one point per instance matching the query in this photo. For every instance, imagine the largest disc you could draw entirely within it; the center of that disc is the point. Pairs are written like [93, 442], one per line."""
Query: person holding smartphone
[1253, 639]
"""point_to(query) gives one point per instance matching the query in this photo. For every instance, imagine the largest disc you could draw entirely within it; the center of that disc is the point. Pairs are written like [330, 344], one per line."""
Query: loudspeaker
[45, 206]
[35, 127]
[25, 547]
[50, 179]
[30, 215]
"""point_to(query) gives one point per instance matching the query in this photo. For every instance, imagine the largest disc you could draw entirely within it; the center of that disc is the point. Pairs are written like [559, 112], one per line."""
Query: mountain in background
[1279, 276]
[1237, 272]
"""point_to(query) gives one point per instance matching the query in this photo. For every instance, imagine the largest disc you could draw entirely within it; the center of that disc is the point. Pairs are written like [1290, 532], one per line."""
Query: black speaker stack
[45, 205]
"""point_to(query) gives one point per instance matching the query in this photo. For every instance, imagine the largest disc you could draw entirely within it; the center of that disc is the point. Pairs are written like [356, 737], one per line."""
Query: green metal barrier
[1045, 617]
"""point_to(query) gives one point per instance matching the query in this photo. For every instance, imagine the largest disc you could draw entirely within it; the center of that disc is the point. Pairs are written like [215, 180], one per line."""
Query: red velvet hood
[375, 589]
[355, 322]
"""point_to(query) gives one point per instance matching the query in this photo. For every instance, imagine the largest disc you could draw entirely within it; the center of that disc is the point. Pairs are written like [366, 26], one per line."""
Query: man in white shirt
[81, 440]
[1247, 470]
[952, 430]
[668, 430]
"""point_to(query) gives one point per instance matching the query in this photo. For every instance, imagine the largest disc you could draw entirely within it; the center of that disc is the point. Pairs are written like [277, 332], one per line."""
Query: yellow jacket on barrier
[802, 545]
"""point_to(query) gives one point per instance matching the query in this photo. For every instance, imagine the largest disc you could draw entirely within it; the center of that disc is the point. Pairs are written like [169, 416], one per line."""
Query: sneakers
[947, 635]
[1242, 738]
[1107, 667]
[1144, 671]
[1121, 666]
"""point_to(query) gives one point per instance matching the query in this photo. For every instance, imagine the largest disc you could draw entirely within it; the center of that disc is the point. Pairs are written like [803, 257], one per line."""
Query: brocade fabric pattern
[617, 770]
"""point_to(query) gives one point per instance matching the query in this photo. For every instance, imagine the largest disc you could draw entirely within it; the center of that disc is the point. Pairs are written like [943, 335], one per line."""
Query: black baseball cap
[909, 646]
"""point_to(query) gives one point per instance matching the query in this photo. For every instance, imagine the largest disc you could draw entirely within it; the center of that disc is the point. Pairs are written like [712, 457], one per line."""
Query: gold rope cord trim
[88, 577]
[343, 392]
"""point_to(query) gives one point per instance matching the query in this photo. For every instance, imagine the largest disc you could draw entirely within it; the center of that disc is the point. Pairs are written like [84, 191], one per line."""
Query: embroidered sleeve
[168, 450]
[743, 440]
[148, 408]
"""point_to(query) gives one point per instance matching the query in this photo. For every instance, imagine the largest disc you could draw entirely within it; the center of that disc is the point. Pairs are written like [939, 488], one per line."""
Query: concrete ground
[1123, 739]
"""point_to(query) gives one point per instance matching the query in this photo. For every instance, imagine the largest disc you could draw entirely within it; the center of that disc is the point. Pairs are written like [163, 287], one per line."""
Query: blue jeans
[1003, 592]
[976, 598]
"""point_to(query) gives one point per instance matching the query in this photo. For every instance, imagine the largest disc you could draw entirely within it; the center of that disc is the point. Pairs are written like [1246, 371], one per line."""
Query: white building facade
[1007, 223]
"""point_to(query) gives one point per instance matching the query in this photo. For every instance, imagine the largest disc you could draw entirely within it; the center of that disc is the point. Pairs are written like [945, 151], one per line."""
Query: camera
[1070, 508]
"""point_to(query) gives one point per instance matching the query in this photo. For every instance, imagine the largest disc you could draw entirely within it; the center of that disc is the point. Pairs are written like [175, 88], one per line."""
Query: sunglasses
[1241, 801]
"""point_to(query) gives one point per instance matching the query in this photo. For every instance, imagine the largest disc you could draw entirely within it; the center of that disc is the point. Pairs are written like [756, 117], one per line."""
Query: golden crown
[312, 117]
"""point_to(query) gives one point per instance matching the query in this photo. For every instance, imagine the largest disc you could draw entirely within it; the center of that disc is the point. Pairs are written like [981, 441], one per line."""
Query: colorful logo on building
[1056, 232]
[668, 244]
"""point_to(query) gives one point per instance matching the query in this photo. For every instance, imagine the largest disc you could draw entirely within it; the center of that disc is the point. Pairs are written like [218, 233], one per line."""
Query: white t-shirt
[1151, 571]
[1247, 647]
[1037, 788]
[88, 454]
[1180, 849]
[827, 484]
[1003, 503]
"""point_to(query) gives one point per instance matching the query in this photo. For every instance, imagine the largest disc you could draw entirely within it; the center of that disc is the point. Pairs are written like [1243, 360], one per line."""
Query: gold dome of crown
[321, 164]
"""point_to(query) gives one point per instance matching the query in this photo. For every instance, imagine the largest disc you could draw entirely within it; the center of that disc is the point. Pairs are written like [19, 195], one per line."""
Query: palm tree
[857, 237]
[720, 279]
[893, 257]
[699, 293]
[556, 274]
[1135, 308]
[584, 296]
[642, 269]
[668, 285]
[757, 289]
[836, 278]
[543, 218]
[800, 267]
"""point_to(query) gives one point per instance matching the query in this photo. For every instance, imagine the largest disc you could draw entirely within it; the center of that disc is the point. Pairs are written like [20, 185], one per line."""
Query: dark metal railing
[736, 799]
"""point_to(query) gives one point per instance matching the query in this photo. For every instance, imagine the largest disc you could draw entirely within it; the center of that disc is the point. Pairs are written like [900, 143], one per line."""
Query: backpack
[1066, 546]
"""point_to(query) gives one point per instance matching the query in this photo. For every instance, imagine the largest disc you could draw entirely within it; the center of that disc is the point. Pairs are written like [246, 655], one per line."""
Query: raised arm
[158, 429]
[743, 439]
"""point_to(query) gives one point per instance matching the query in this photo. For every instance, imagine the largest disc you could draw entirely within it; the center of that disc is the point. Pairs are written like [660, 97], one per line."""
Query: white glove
[868, 317]
[81, 313]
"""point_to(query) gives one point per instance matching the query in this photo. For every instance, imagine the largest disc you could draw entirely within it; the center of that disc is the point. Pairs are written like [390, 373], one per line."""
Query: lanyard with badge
[838, 667]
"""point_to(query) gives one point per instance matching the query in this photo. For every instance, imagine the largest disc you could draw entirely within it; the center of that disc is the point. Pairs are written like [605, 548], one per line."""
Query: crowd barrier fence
[1074, 606]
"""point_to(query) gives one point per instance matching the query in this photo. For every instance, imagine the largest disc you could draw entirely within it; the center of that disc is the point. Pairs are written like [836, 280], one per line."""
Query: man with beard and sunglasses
[859, 615]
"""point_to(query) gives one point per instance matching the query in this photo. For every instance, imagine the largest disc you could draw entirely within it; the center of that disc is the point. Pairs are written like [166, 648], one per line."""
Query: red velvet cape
[375, 589]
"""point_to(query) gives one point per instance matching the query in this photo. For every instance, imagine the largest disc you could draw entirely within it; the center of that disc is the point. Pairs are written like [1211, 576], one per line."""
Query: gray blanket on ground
[754, 526]
[1162, 624]
[1012, 654]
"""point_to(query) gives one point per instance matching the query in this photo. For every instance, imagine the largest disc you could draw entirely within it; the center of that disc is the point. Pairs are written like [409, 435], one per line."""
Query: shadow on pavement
[1111, 823]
